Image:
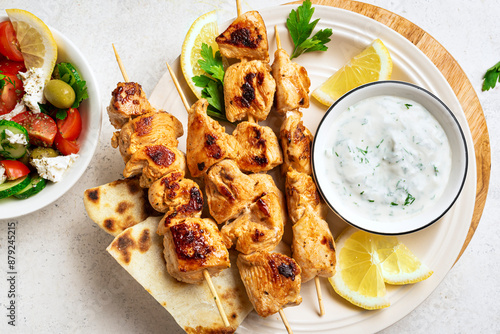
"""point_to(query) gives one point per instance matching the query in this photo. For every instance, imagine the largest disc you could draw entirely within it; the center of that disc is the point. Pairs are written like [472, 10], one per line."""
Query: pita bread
[117, 205]
[139, 250]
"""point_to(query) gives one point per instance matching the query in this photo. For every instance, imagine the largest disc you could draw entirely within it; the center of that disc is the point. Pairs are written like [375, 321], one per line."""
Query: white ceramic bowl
[429, 214]
[90, 111]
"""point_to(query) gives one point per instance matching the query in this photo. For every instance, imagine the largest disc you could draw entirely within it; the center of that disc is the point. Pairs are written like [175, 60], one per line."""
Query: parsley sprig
[212, 83]
[300, 28]
[491, 77]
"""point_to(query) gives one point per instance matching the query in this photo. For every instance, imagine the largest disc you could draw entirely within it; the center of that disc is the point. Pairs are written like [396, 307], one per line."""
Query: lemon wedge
[203, 30]
[36, 42]
[365, 262]
[372, 64]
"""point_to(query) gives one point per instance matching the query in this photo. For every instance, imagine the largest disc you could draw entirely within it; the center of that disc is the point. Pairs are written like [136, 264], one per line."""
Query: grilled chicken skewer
[210, 228]
[193, 246]
[313, 246]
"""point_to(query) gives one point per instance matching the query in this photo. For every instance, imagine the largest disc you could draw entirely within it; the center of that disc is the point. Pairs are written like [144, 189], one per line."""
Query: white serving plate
[438, 246]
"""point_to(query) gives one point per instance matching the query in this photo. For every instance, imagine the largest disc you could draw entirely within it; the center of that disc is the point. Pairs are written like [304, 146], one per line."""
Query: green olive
[59, 94]
[43, 152]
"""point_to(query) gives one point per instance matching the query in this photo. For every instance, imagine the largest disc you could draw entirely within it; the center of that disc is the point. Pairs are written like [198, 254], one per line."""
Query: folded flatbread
[139, 250]
[117, 205]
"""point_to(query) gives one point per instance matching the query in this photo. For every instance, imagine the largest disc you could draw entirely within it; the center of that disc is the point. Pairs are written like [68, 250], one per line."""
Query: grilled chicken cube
[229, 191]
[128, 100]
[177, 195]
[154, 128]
[260, 150]
[301, 193]
[313, 247]
[245, 38]
[154, 161]
[191, 246]
[259, 227]
[207, 141]
[248, 90]
[272, 281]
[295, 140]
[292, 83]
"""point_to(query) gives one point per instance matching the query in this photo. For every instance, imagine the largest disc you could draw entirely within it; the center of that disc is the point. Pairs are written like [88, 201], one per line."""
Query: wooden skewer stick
[285, 321]
[120, 64]
[316, 279]
[238, 7]
[205, 271]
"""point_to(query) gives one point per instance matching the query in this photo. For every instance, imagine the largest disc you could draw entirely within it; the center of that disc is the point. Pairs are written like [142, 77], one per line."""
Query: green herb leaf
[68, 73]
[491, 77]
[409, 199]
[212, 64]
[300, 28]
[407, 105]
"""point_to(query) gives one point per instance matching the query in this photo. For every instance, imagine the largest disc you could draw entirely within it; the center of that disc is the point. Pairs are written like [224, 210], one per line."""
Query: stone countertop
[68, 283]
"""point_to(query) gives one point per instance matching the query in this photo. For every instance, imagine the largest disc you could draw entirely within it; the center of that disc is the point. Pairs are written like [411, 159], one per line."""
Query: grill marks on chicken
[248, 90]
[259, 147]
[154, 128]
[191, 246]
[258, 227]
[207, 141]
[292, 83]
[272, 281]
[296, 141]
[154, 161]
[128, 100]
[245, 38]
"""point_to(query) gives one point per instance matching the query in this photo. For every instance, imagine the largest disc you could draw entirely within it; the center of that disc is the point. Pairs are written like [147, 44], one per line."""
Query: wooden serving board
[456, 78]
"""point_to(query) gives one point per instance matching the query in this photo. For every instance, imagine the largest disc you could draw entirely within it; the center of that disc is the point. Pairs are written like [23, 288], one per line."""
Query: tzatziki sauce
[388, 158]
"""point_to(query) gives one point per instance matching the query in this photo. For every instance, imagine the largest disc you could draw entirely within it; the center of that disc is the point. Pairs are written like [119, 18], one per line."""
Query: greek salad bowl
[389, 158]
[91, 116]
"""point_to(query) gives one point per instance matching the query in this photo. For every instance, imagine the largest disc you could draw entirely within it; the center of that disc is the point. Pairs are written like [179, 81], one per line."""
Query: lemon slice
[36, 42]
[402, 267]
[372, 64]
[365, 262]
[203, 30]
[358, 277]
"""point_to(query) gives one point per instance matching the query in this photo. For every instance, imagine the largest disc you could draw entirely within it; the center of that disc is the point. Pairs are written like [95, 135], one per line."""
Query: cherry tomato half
[66, 147]
[9, 46]
[11, 67]
[14, 169]
[71, 126]
[41, 128]
[11, 93]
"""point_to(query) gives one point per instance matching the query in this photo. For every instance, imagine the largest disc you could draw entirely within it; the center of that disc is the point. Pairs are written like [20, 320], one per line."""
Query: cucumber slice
[7, 149]
[12, 187]
[34, 187]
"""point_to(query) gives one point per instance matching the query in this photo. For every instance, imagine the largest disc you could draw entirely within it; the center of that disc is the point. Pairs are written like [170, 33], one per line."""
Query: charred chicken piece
[272, 281]
[174, 194]
[296, 140]
[313, 246]
[207, 141]
[292, 83]
[248, 90]
[229, 191]
[301, 193]
[258, 228]
[191, 246]
[154, 161]
[128, 100]
[245, 38]
[154, 128]
[260, 150]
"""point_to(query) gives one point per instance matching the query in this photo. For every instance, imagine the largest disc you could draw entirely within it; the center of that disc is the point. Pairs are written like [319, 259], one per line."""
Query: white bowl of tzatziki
[390, 158]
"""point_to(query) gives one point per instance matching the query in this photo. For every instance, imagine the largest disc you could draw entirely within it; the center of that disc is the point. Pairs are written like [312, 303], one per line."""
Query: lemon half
[36, 42]
[203, 30]
[372, 64]
[365, 262]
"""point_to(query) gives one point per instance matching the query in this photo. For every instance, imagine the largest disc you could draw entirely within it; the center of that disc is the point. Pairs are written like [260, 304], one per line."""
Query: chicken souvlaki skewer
[193, 246]
[313, 246]
[254, 206]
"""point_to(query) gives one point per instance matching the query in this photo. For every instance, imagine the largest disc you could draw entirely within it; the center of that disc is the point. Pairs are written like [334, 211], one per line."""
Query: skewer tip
[216, 298]
[285, 321]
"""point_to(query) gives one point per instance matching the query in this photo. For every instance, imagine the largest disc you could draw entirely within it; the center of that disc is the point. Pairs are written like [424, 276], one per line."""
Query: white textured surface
[66, 280]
